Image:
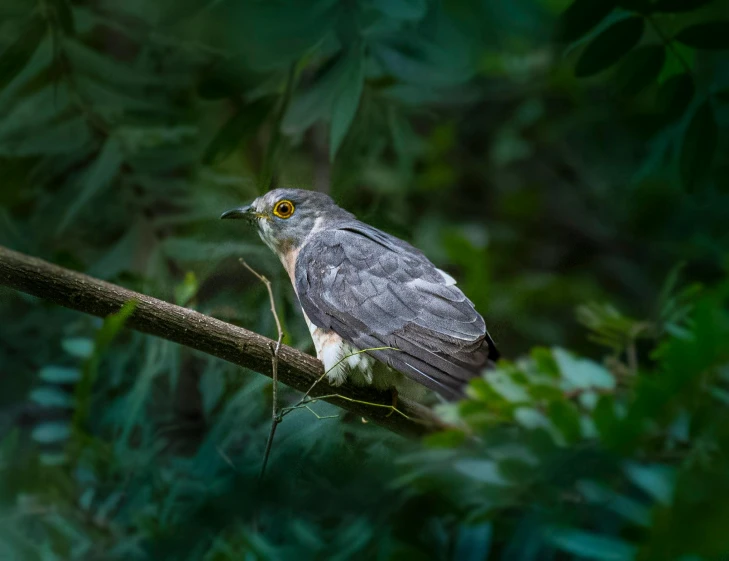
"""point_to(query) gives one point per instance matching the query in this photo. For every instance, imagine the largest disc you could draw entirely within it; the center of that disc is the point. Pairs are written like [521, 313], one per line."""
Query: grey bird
[362, 289]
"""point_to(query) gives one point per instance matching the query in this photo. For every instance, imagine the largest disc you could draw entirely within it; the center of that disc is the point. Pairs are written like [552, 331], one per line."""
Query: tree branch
[204, 333]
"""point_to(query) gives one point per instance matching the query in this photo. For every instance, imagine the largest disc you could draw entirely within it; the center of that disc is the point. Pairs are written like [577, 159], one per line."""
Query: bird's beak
[246, 212]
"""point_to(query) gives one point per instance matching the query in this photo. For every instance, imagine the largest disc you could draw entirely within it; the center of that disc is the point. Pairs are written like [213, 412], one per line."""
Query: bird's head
[285, 217]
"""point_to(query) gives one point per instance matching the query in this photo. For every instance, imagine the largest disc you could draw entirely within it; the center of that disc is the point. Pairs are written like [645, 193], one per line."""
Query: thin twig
[287, 410]
[392, 408]
[269, 444]
[303, 402]
[320, 417]
[271, 299]
[275, 415]
[341, 360]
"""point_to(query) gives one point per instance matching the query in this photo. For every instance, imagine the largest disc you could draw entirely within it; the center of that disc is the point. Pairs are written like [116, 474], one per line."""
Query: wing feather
[375, 290]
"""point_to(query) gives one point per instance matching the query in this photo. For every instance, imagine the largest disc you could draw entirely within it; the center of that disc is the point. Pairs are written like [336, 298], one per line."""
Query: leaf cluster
[649, 50]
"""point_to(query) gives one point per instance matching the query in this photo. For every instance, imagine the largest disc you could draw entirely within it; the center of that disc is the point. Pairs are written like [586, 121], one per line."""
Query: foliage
[601, 463]
[559, 160]
[613, 32]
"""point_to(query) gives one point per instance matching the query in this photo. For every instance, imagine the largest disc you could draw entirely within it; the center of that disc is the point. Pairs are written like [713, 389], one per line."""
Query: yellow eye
[284, 209]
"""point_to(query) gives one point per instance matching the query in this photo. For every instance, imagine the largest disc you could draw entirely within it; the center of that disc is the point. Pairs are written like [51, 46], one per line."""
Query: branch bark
[204, 333]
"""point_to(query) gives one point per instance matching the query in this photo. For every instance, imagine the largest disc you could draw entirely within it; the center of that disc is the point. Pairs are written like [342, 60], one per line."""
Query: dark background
[566, 164]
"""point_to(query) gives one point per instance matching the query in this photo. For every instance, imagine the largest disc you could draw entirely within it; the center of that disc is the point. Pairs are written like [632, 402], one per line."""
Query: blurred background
[566, 162]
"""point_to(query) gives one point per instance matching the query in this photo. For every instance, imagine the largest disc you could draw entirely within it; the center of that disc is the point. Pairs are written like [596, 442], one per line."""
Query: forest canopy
[564, 160]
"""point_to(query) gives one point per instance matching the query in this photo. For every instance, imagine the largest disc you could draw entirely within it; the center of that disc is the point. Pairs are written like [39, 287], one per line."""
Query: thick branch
[204, 333]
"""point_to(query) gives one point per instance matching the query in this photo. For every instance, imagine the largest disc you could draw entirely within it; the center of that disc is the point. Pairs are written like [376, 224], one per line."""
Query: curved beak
[245, 212]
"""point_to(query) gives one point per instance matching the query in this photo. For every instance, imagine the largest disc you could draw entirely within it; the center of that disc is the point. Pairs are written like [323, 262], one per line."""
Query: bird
[380, 313]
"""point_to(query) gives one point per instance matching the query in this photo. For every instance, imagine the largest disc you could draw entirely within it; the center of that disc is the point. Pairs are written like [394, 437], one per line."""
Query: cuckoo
[362, 289]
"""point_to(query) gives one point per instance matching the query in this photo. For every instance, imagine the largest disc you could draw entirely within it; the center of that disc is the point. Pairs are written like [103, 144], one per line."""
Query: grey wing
[375, 290]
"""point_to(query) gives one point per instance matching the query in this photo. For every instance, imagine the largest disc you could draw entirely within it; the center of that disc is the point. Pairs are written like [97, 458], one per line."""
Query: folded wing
[375, 290]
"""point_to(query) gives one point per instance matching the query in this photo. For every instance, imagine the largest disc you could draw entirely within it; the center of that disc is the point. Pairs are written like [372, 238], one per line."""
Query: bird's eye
[284, 209]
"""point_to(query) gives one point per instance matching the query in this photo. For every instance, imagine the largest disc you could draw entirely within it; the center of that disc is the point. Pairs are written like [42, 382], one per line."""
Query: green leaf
[98, 177]
[189, 250]
[45, 107]
[315, 102]
[658, 481]
[52, 459]
[581, 16]
[473, 542]
[451, 438]
[402, 9]
[274, 34]
[86, 500]
[626, 507]
[111, 101]
[118, 257]
[187, 289]
[212, 388]
[544, 360]
[404, 139]
[479, 389]
[680, 5]
[506, 386]
[79, 347]
[605, 419]
[566, 418]
[484, 471]
[347, 100]
[107, 69]
[51, 397]
[9, 446]
[610, 46]
[579, 373]
[545, 392]
[16, 9]
[710, 35]
[591, 546]
[675, 96]
[335, 93]
[424, 66]
[47, 433]
[113, 323]
[59, 374]
[699, 146]
[679, 59]
[69, 136]
[640, 68]
[17, 55]
[241, 126]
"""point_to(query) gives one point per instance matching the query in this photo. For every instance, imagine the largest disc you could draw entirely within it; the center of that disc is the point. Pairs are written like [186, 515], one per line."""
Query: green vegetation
[566, 162]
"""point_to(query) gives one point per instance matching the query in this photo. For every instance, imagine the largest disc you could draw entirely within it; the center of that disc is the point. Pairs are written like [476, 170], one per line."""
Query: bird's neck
[288, 260]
